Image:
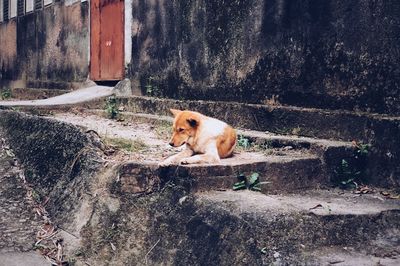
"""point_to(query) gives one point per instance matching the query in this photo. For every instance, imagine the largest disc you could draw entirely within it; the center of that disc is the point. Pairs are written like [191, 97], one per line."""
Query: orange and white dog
[207, 139]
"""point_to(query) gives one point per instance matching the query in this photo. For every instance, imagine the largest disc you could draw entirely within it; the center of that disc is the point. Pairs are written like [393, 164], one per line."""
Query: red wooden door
[107, 39]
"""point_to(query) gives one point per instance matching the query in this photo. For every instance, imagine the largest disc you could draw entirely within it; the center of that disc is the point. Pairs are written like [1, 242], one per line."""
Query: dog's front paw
[165, 163]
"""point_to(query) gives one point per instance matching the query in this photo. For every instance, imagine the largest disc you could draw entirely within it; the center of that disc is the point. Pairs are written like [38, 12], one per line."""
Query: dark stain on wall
[52, 46]
[327, 54]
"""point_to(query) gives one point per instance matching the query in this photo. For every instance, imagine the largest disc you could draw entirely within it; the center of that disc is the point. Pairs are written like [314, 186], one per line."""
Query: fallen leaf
[316, 206]
[264, 250]
[390, 195]
[253, 179]
[336, 261]
[255, 188]
[239, 185]
[363, 190]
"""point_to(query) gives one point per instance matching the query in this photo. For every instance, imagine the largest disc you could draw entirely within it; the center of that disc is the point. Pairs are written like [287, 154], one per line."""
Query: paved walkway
[77, 96]
[31, 258]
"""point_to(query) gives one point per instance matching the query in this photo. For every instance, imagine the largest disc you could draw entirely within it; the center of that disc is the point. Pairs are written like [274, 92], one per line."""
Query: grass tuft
[135, 145]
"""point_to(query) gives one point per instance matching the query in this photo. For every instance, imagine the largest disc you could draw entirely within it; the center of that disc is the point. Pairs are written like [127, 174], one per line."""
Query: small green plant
[251, 182]
[347, 175]
[151, 88]
[296, 131]
[243, 142]
[36, 196]
[351, 171]
[5, 94]
[361, 150]
[111, 107]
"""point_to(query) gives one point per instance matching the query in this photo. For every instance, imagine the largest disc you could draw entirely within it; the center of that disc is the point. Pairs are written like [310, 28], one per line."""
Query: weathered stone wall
[46, 48]
[327, 54]
[58, 158]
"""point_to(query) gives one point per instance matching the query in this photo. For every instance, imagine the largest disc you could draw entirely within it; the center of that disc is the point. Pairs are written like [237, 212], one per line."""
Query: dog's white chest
[210, 130]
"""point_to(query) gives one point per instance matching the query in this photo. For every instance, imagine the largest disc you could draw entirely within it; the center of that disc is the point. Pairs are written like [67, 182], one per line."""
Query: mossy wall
[326, 54]
[47, 48]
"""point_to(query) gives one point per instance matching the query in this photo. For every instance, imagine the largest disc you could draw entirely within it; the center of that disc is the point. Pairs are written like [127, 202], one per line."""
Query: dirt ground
[19, 223]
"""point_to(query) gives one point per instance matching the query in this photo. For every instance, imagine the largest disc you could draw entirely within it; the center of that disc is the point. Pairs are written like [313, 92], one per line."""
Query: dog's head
[184, 127]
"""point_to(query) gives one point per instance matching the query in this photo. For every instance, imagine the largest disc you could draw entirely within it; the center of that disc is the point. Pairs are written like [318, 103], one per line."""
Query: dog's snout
[171, 144]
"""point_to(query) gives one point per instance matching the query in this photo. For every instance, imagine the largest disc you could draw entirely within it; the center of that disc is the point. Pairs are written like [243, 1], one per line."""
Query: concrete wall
[46, 48]
[8, 50]
[328, 54]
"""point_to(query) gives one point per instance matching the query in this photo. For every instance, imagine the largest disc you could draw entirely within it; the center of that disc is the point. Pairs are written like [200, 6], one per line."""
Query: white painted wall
[1, 11]
[13, 8]
[88, 45]
[29, 6]
[70, 2]
[128, 32]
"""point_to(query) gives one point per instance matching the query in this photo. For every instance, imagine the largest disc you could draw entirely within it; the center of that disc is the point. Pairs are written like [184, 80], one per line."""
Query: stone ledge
[276, 174]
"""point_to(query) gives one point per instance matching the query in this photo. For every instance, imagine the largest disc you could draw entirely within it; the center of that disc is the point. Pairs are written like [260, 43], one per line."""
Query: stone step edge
[253, 135]
[308, 122]
[275, 176]
[331, 152]
[36, 93]
[143, 103]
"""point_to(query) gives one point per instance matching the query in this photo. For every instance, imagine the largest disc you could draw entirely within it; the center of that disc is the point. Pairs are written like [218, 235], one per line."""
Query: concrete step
[375, 129]
[280, 168]
[316, 227]
[382, 167]
[227, 227]
[72, 98]
[288, 173]
[58, 85]
[345, 256]
[329, 152]
[36, 93]
[22, 259]
[257, 138]
[311, 122]
[378, 130]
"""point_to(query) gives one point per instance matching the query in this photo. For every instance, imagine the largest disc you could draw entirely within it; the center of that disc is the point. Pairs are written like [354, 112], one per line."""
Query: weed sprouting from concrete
[296, 131]
[111, 107]
[243, 142]
[351, 171]
[251, 182]
[5, 94]
[151, 88]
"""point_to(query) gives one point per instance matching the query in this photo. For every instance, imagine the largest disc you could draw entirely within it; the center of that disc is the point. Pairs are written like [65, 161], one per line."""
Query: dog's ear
[175, 112]
[192, 122]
